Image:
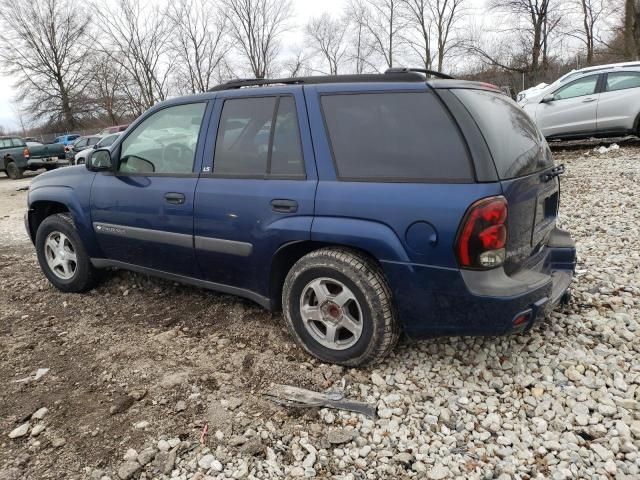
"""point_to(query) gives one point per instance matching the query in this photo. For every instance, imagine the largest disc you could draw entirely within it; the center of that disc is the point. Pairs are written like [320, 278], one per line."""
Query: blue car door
[142, 213]
[257, 188]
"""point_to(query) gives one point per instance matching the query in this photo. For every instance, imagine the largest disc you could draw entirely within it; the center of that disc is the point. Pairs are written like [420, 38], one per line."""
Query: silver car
[604, 102]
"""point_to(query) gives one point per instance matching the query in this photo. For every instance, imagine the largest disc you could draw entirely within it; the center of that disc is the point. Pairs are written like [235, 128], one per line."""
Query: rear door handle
[588, 100]
[174, 198]
[284, 206]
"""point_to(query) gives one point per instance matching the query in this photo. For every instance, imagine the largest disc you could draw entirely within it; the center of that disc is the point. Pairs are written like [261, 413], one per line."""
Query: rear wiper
[553, 173]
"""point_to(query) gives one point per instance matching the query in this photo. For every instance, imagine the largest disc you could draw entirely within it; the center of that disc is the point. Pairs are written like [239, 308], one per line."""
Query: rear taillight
[483, 234]
[26, 153]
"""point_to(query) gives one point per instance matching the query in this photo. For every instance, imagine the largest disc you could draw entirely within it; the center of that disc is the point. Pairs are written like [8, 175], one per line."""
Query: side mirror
[99, 160]
[95, 146]
[549, 97]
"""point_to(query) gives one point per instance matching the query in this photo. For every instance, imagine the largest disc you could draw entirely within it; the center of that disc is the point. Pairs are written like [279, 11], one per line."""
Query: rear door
[257, 187]
[573, 109]
[619, 102]
[523, 163]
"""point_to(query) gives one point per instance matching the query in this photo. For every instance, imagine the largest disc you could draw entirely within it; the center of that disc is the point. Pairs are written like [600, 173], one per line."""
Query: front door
[572, 110]
[142, 213]
[257, 189]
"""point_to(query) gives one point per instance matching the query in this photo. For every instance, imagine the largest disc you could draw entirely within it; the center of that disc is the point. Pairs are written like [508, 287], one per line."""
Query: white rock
[20, 431]
[40, 413]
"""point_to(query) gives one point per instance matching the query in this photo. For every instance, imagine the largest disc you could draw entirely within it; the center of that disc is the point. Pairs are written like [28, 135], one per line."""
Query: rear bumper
[435, 301]
[45, 162]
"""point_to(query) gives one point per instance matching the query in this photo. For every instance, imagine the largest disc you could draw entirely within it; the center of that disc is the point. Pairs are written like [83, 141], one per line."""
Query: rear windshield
[399, 136]
[517, 146]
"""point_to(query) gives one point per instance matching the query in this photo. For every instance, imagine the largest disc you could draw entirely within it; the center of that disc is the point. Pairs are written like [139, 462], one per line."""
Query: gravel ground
[139, 367]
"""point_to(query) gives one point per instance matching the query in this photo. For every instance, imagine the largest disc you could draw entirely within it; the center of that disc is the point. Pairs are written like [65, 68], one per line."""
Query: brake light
[483, 234]
[26, 153]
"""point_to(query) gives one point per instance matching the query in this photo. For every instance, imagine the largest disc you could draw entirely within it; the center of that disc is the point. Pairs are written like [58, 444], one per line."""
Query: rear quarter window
[396, 136]
[517, 146]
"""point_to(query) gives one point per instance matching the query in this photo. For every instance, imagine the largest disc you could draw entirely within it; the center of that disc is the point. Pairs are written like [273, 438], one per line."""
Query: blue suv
[362, 206]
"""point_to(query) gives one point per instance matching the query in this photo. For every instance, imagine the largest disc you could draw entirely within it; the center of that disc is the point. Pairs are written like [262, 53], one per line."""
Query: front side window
[18, 142]
[577, 88]
[165, 142]
[80, 143]
[398, 136]
[622, 81]
[250, 144]
[107, 141]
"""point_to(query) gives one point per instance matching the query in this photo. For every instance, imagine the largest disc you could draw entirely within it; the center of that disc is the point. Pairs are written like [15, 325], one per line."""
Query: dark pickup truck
[17, 156]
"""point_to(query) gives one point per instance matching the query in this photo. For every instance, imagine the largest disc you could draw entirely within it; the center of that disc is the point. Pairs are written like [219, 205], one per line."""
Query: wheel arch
[288, 254]
[41, 209]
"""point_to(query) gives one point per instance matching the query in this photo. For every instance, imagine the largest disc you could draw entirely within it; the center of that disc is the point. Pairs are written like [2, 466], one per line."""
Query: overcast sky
[303, 10]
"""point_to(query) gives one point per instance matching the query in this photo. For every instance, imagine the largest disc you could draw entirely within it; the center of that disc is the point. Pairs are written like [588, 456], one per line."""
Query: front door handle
[174, 198]
[588, 100]
[282, 205]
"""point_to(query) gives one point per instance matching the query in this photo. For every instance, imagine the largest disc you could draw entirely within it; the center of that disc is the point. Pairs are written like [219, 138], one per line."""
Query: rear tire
[351, 321]
[80, 161]
[13, 172]
[62, 256]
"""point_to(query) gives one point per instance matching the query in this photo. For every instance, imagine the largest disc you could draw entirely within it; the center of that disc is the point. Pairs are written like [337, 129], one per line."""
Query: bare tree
[327, 37]
[383, 21]
[446, 15]
[360, 50]
[256, 26]
[199, 43]
[591, 13]
[108, 89]
[136, 37]
[631, 29]
[421, 22]
[45, 50]
[298, 63]
[539, 21]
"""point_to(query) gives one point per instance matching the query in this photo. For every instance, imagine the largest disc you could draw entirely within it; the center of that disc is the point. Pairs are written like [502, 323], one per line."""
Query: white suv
[599, 101]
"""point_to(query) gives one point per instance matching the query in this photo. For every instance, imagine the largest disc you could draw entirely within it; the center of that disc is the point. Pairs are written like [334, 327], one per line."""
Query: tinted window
[286, 156]
[165, 142]
[622, 81]
[246, 144]
[394, 137]
[72, 137]
[577, 88]
[515, 142]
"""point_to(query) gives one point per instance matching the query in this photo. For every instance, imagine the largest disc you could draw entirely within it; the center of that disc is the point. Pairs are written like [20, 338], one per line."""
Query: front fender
[375, 238]
[77, 201]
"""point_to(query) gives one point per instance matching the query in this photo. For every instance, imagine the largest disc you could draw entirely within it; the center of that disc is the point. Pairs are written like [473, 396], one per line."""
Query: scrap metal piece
[289, 396]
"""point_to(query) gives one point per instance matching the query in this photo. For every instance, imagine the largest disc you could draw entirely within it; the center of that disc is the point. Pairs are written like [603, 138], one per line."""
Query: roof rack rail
[391, 75]
[432, 73]
[254, 82]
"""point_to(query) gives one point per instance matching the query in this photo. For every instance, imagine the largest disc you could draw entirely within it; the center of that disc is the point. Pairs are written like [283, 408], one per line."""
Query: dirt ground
[131, 334]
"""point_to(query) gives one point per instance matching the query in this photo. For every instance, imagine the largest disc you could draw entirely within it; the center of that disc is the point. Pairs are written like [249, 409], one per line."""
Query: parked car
[107, 141]
[361, 205]
[66, 139]
[18, 156]
[598, 103]
[535, 94]
[114, 129]
[81, 143]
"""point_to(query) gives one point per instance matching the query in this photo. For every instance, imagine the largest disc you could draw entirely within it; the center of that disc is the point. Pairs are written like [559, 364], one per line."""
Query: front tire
[13, 171]
[339, 308]
[62, 256]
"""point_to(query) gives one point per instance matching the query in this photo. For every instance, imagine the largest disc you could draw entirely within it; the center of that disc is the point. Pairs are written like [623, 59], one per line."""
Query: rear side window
[515, 142]
[399, 136]
[18, 142]
[622, 81]
[251, 144]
